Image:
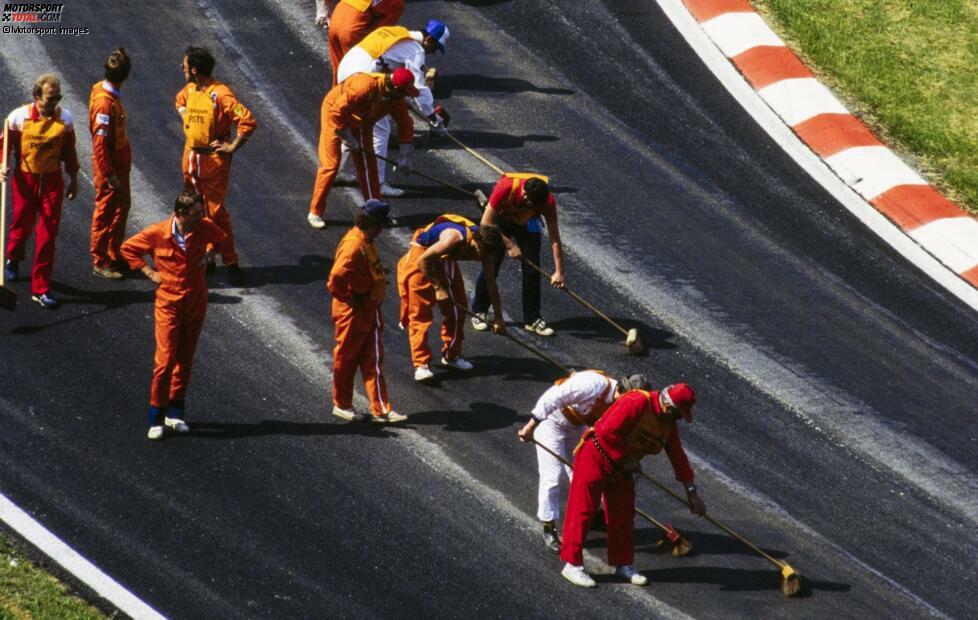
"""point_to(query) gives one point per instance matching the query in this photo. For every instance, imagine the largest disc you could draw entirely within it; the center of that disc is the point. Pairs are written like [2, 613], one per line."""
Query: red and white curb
[839, 139]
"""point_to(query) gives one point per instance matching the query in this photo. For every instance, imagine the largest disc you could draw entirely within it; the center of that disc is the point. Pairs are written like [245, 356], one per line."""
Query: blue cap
[438, 31]
[376, 209]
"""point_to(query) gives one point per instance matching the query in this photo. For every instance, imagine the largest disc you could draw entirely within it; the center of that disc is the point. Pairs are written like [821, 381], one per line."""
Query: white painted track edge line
[73, 562]
[767, 119]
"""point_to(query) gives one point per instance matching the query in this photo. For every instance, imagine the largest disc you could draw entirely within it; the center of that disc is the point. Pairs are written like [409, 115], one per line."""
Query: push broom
[790, 579]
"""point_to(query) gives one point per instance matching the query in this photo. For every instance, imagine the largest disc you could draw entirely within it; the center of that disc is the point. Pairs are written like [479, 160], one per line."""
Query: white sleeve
[582, 387]
[411, 56]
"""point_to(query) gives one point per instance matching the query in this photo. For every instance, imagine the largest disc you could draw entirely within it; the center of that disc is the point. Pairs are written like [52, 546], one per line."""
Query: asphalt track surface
[837, 385]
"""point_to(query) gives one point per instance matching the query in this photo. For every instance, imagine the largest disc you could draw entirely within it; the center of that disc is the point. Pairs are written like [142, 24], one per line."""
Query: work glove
[441, 113]
[348, 139]
[437, 125]
[480, 198]
[322, 14]
[404, 161]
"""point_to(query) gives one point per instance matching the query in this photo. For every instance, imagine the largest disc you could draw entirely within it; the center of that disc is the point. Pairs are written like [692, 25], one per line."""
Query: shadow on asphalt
[238, 430]
[506, 368]
[109, 300]
[480, 417]
[595, 329]
[447, 84]
[488, 140]
[311, 268]
[738, 579]
[646, 538]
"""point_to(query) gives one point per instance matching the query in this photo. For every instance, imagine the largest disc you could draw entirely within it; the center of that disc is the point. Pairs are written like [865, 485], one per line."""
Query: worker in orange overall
[181, 248]
[347, 116]
[428, 275]
[210, 110]
[111, 162]
[637, 424]
[357, 283]
[352, 20]
[41, 138]
[516, 205]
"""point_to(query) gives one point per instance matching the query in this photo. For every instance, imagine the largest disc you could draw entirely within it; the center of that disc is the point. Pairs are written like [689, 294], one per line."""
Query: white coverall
[407, 53]
[555, 431]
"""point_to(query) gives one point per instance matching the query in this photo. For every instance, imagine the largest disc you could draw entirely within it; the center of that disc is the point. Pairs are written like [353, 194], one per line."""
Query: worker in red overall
[638, 424]
[516, 205]
[41, 139]
[210, 110]
[181, 247]
[111, 162]
[428, 275]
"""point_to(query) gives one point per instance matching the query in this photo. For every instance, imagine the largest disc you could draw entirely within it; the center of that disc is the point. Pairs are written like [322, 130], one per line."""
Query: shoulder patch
[102, 132]
[102, 119]
[238, 110]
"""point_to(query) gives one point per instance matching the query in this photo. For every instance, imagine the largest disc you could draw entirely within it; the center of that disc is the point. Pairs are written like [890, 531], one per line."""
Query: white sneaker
[577, 576]
[176, 424]
[540, 328]
[316, 221]
[155, 432]
[479, 325]
[459, 363]
[628, 572]
[346, 414]
[391, 192]
[391, 417]
[423, 373]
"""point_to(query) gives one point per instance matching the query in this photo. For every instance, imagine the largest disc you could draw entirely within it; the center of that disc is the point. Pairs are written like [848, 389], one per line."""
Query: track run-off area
[836, 382]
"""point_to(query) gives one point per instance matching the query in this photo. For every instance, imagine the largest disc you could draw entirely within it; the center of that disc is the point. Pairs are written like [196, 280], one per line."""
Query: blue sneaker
[45, 301]
[10, 269]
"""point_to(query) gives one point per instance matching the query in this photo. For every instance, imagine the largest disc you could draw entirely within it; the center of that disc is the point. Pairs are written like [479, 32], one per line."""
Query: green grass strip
[908, 68]
[28, 592]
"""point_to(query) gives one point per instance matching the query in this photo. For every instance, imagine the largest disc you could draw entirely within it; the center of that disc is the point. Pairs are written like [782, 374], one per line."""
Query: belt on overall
[604, 455]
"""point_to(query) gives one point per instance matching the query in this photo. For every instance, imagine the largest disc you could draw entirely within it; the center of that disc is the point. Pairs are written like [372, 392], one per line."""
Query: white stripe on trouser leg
[382, 135]
[449, 266]
[377, 369]
[552, 472]
[363, 158]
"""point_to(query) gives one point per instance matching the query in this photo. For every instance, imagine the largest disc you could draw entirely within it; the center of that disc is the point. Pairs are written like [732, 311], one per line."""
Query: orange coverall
[352, 20]
[357, 283]
[418, 295]
[205, 171]
[357, 103]
[111, 155]
[181, 299]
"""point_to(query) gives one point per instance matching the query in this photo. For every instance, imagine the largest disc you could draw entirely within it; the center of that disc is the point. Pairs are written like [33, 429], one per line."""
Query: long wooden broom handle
[471, 151]
[723, 527]
[529, 348]
[644, 514]
[578, 298]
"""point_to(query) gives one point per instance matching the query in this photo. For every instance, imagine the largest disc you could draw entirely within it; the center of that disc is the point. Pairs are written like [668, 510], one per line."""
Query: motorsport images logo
[35, 18]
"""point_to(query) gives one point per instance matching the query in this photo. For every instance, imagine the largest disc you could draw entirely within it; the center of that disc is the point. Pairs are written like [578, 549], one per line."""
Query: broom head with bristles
[678, 546]
[790, 581]
[634, 343]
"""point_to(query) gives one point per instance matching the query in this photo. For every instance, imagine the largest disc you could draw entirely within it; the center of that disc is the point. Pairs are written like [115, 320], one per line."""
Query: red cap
[404, 80]
[682, 397]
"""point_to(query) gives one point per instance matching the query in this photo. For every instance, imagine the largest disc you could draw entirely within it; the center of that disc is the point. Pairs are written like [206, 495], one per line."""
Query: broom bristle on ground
[790, 583]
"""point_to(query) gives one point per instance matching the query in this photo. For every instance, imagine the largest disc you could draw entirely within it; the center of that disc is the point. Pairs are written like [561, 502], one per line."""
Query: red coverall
[418, 296]
[357, 283]
[111, 155]
[629, 429]
[352, 20]
[205, 171]
[37, 185]
[357, 103]
[181, 300]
